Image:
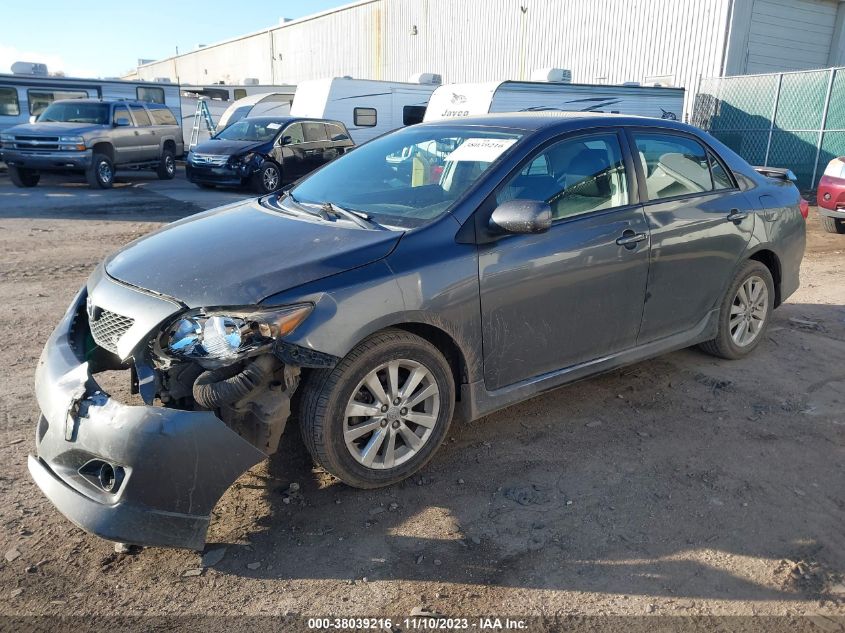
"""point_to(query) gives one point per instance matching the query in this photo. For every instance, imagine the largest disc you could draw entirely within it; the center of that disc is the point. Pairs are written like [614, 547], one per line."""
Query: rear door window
[162, 116]
[9, 104]
[673, 165]
[314, 131]
[141, 116]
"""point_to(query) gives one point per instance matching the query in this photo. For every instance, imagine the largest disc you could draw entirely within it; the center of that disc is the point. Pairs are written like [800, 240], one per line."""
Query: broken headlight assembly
[222, 336]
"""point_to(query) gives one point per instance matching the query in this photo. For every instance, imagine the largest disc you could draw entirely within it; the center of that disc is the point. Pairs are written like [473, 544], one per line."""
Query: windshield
[250, 130]
[70, 112]
[410, 177]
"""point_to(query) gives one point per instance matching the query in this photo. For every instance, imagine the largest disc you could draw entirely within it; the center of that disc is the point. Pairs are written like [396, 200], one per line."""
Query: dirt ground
[683, 485]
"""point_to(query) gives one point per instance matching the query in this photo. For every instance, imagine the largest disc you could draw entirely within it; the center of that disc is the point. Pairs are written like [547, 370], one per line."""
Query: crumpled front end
[147, 474]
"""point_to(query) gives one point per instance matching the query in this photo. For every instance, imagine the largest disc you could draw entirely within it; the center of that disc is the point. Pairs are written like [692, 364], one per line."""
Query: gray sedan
[503, 256]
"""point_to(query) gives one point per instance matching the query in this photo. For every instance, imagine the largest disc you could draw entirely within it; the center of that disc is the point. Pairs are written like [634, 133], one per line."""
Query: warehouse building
[673, 42]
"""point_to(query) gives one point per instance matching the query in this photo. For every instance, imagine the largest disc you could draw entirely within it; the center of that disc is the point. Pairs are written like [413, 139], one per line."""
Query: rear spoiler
[778, 173]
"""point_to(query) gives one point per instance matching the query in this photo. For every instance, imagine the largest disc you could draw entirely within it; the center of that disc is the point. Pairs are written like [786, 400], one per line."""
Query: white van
[367, 107]
[460, 100]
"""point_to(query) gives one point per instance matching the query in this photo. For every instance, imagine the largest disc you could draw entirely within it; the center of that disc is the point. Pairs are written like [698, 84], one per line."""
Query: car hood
[243, 253]
[53, 128]
[224, 147]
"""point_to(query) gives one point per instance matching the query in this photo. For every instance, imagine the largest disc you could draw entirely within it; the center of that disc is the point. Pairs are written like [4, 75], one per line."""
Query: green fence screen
[794, 120]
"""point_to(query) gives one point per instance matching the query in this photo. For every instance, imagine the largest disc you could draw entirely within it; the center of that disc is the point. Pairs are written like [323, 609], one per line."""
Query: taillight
[805, 208]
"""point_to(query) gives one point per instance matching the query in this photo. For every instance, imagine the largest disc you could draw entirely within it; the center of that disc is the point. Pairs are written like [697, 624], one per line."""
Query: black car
[266, 152]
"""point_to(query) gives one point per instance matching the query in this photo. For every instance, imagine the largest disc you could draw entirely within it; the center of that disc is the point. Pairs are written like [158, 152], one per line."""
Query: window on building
[9, 104]
[574, 176]
[142, 119]
[673, 165]
[121, 112]
[240, 93]
[365, 117]
[411, 115]
[40, 99]
[150, 94]
[314, 131]
[162, 116]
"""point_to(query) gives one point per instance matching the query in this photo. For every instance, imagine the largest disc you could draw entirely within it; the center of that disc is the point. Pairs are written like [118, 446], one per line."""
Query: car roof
[288, 119]
[560, 121]
[110, 101]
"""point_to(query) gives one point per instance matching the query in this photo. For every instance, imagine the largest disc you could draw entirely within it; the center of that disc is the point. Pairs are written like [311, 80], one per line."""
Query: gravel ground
[683, 485]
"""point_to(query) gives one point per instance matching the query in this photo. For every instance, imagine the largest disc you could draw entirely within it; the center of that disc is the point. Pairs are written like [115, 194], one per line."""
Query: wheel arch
[770, 260]
[104, 147]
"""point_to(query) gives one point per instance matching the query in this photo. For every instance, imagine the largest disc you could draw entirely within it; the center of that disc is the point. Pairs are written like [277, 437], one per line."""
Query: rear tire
[22, 177]
[166, 169]
[833, 225]
[744, 314]
[339, 406]
[100, 175]
[268, 178]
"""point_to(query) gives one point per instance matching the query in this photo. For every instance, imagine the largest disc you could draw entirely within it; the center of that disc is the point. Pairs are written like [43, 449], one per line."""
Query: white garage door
[790, 35]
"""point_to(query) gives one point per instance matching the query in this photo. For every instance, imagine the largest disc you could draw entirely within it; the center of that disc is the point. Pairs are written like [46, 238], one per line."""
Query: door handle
[630, 239]
[737, 216]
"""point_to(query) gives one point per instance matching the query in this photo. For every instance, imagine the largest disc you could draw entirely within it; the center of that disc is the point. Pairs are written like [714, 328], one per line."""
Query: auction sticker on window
[483, 150]
[274, 126]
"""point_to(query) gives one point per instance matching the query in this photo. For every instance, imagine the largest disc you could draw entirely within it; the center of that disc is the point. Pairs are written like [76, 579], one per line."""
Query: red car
[831, 196]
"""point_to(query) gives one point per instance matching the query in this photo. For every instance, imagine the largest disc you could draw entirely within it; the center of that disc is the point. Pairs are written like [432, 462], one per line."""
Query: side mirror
[285, 140]
[521, 216]
[33, 118]
[122, 122]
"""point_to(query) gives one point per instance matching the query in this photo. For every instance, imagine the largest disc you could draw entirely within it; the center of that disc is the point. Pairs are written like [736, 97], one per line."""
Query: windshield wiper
[360, 218]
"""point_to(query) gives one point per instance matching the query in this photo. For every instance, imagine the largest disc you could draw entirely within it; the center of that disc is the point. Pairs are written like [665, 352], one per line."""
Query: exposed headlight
[6, 138]
[71, 143]
[230, 334]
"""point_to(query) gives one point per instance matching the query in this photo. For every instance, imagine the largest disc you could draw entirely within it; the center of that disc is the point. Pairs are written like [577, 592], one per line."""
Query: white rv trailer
[460, 100]
[367, 107]
[267, 104]
[218, 98]
[24, 96]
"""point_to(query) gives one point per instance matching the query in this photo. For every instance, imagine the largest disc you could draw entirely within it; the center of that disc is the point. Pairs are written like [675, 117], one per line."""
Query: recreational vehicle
[266, 104]
[367, 107]
[461, 100]
[25, 96]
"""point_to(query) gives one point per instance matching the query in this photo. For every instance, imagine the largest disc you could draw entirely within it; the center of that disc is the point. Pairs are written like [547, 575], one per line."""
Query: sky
[92, 39]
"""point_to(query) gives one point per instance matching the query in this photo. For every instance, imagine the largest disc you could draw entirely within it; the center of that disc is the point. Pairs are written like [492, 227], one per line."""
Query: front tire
[166, 169]
[382, 412]
[268, 178]
[833, 225]
[745, 313]
[100, 175]
[22, 177]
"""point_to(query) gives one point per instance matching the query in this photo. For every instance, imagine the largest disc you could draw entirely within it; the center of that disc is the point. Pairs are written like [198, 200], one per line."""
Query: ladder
[202, 115]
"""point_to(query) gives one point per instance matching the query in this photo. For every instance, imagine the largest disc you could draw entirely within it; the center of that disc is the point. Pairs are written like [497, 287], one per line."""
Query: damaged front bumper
[168, 467]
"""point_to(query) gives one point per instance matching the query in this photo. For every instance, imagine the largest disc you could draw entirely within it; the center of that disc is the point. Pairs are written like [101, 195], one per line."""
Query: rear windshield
[71, 112]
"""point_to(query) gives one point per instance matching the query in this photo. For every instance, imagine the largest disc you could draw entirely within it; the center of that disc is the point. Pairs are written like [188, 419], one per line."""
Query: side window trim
[631, 183]
[629, 132]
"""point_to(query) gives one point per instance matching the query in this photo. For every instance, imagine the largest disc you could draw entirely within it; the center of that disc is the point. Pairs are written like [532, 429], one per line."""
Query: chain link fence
[794, 120]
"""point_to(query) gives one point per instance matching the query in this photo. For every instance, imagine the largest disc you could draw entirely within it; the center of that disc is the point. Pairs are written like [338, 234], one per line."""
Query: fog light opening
[110, 477]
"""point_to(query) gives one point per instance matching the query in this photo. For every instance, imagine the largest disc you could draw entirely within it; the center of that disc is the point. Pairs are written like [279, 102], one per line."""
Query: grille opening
[107, 328]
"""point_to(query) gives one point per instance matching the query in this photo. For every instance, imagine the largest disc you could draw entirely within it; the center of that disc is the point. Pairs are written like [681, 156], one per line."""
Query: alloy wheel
[749, 311]
[271, 179]
[169, 165]
[391, 414]
[104, 172]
